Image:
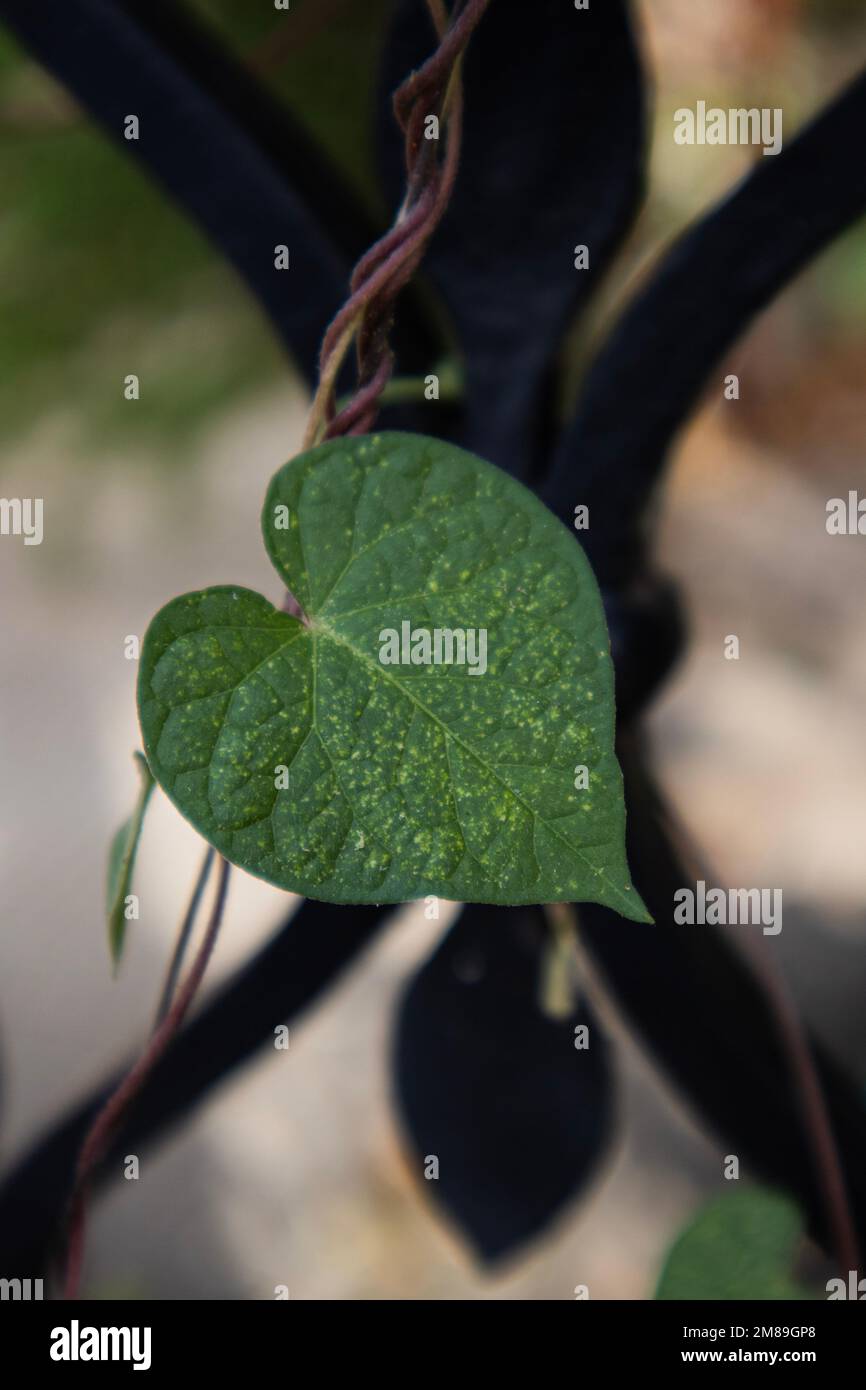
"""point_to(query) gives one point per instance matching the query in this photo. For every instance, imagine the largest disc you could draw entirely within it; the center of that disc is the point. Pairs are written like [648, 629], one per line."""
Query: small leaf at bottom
[740, 1246]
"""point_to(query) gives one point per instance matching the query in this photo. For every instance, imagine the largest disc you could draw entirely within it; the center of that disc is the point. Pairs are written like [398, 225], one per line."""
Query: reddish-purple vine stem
[172, 974]
[794, 1043]
[813, 1108]
[433, 91]
[111, 1116]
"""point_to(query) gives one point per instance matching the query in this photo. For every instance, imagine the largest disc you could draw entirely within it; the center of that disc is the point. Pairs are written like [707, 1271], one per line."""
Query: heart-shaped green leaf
[312, 754]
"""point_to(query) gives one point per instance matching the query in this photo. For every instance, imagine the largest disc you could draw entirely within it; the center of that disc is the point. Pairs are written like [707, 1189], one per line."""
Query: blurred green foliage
[104, 276]
[741, 1245]
[838, 283]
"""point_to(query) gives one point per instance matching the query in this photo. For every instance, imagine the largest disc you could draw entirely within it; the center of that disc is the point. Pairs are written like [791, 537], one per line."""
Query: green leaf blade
[404, 779]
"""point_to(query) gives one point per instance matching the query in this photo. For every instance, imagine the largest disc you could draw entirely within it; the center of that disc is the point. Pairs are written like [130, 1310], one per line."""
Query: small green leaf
[305, 759]
[121, 862]
[740, 1246]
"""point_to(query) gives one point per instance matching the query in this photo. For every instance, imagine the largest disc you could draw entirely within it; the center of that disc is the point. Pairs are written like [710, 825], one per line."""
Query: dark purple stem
[380, 275]
[113, 1113]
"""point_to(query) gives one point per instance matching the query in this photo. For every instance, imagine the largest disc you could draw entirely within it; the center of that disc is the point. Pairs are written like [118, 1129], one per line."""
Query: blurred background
[294, 1172]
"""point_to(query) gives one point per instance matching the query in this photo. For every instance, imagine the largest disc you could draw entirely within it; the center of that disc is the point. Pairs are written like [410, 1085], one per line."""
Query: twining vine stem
[110, 1118]
[431, 91]
[796, 1049]
[813, 1108]
[429, 108]
[563, 919]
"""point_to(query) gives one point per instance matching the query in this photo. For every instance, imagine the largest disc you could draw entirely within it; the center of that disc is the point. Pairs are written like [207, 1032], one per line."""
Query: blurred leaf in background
[739, 1246]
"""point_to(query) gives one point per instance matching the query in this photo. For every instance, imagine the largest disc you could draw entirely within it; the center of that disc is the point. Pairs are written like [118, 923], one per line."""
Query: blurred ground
[294, 1173]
